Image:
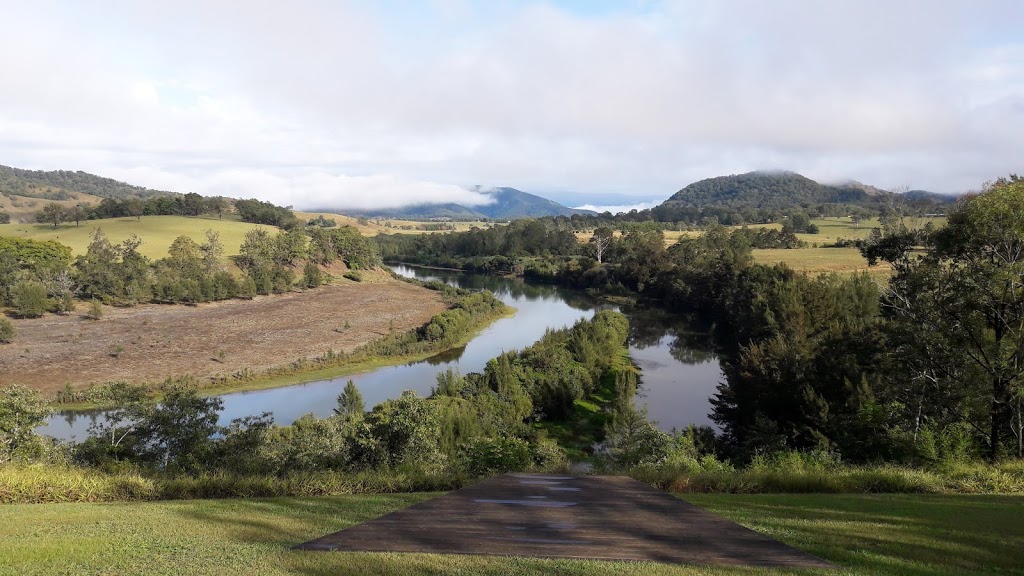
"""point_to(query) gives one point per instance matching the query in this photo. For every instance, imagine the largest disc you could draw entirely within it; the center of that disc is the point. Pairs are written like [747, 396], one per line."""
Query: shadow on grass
[914, 535]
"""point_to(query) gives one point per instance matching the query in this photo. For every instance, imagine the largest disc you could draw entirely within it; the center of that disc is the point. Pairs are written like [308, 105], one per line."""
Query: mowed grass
[863, 534]
[157, 232]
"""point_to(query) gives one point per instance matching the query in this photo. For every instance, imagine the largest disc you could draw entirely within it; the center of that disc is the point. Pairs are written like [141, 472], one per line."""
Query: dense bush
[6, 331]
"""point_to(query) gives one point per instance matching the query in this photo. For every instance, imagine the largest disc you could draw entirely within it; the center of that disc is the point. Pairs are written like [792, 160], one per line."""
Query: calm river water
[678, 371]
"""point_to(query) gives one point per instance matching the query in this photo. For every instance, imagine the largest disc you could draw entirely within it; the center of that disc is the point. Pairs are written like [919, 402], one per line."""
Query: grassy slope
[156, 232]
[24, 208]
[863, 534]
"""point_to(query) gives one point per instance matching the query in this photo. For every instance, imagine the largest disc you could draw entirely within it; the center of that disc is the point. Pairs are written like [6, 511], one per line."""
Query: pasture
[157, 232]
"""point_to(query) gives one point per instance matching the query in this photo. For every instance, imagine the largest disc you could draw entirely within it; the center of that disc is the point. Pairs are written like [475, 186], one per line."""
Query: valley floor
[864, 534]
[149, 343]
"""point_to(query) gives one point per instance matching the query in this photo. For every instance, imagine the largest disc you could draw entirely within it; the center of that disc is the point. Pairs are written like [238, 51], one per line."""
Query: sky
[332, 104]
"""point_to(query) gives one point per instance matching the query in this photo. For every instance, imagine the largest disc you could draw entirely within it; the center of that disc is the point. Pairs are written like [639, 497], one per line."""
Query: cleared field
[374, 226]
[912, 535]
[152, 342]
[842, 260]
[156, 232]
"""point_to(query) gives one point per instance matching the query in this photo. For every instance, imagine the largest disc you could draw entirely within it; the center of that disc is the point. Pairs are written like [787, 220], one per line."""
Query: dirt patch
[149, 343]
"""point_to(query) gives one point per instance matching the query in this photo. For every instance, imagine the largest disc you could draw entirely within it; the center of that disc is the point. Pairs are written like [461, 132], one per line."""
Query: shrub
[488, 456]
[354, 276]
[95, 310]
[6, 331]
[311, 275]
[30, 299]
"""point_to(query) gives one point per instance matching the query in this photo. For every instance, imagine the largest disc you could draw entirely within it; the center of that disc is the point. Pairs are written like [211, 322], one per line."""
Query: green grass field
[913, 535]
[156, 232]
[819, 260]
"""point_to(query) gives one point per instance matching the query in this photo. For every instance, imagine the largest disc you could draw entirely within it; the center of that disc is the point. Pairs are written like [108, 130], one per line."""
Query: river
[678, 371]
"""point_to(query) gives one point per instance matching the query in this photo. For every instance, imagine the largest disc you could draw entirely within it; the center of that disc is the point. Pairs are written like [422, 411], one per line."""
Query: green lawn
[863, 534]
[156, 232]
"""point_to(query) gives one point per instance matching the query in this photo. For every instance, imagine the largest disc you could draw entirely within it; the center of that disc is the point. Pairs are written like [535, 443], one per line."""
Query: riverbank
[475, 312]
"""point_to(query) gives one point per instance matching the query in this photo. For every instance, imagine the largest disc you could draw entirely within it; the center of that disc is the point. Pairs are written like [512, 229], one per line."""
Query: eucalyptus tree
[960, 307]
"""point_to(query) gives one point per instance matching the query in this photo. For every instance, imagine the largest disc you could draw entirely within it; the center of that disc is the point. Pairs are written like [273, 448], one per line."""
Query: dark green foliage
[519, 238]
[346, 244]
[6, 331]
[22, 410]
[30, 300]
[259, 212]
[311, 275]
[5, 218]
[350, 402]
[495, 455]
[957, 317]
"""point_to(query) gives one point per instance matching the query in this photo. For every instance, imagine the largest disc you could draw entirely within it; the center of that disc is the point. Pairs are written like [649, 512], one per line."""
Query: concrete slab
[594, 517]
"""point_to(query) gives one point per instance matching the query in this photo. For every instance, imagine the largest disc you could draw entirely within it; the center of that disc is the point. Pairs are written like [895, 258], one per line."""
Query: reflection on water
[679, 371]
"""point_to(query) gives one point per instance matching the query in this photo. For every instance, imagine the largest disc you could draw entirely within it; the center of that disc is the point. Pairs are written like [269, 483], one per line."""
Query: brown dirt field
[162, 340]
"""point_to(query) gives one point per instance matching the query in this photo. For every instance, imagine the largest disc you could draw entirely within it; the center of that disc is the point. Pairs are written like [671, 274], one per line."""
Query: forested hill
[773, 190]
[508, 204]
[763, 196]
[62, 184]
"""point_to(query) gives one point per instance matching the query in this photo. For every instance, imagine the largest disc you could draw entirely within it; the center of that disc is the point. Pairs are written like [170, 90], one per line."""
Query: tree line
[41, 276]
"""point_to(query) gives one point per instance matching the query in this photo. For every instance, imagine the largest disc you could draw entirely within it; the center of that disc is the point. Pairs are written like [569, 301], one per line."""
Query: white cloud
[615, 209]
[307, 102]
[308, 190]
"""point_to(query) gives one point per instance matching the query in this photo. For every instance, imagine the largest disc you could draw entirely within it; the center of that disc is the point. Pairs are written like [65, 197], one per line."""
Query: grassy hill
[156, 232]
[24, 208]
[63, 184]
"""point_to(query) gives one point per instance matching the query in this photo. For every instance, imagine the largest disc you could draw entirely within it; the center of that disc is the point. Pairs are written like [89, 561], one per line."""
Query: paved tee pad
[596, 517]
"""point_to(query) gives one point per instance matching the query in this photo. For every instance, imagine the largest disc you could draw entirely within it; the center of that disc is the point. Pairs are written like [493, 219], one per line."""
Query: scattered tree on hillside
[52, 213]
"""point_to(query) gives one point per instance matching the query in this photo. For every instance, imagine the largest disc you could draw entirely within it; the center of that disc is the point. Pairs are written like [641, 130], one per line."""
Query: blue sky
[363, 104]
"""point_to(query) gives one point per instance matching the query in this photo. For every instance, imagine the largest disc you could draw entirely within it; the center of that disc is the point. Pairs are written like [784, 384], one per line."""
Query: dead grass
[152, 342]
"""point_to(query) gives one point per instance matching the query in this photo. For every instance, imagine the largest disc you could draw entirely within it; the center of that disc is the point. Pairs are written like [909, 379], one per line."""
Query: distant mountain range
[750, 193]
[508, 204]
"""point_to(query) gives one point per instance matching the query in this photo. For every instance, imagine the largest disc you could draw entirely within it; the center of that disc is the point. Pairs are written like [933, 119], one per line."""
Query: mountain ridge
[509, 204]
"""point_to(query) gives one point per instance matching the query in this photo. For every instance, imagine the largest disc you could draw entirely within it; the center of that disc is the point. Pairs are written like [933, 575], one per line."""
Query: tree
[602, 239]
[217, 205]
[77, 213]
[177, 431]
[966, 294]
[350, 402]
[213, 251]
[52, 213]
[22, 410]
[135, 207]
